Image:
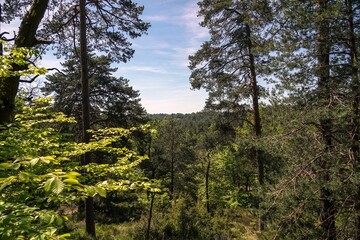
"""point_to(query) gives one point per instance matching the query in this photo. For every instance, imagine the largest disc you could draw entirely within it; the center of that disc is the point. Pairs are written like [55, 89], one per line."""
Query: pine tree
[229, 64]
[113, 102]
[110, 25]
[314, 65]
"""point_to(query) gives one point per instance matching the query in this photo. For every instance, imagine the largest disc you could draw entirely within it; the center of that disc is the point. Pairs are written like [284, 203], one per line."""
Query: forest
[275, 153]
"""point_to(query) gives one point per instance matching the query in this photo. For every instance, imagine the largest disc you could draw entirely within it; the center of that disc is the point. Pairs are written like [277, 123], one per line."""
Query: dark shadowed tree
[113, 102]
[315, 53]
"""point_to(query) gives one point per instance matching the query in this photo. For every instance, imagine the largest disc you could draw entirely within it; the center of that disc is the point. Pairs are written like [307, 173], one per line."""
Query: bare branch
[4, 38]
[29, 81]
[56, 69]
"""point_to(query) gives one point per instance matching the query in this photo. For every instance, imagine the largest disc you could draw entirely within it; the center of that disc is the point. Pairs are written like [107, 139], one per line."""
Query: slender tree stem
[89, 205]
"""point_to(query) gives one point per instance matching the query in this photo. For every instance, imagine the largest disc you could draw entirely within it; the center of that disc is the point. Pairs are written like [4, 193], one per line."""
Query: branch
[37, 41]
[29, 81]
[6, 39]
[56, 69]
[30, 24]
[233, 10]
[36, 76]
[71, 19]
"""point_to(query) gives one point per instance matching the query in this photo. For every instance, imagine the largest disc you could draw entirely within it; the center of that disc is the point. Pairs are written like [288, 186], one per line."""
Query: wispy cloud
[191, 20]
[142, 69]
[177, 100]
[194, 34]
[151, 43]
[10, 28]
[182, 54]
[157, 18]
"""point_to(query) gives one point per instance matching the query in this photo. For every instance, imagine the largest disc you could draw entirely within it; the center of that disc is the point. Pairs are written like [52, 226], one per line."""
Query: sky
[159, 69]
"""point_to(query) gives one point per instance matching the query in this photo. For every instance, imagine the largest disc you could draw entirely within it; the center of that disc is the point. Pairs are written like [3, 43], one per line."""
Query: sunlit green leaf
[5, 165]
[90, 191]
[72, 181]
[101, 191]
[54, 185]
[34, 161]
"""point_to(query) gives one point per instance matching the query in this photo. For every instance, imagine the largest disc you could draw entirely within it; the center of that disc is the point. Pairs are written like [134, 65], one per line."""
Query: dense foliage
[283, 164]
[40, 172]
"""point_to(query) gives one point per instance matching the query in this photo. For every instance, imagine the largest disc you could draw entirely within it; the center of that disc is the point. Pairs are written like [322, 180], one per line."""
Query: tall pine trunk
[89, 205]
[147, 237]
[257, 120]
[355, 112]
[172, 166]
[327, 215]
[207, 179]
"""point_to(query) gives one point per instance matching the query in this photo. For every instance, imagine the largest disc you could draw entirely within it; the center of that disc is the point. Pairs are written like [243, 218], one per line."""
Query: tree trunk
[207, 184]
[24, 38]
[257, 120]
[355, 115]
[328, 211]
[172, 167]
[327, 215]
[147, 237]
[89, 205]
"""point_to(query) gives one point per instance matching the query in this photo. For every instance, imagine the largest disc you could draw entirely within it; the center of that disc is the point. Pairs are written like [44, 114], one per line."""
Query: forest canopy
[275, 153]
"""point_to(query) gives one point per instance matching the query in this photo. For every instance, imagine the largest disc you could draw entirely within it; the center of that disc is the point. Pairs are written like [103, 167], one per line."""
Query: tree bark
[207, 176]
[172, 167]
[89, 205]
[25, 38]
[257, 120]
[147, 237]
[327, 215]
[355, 115]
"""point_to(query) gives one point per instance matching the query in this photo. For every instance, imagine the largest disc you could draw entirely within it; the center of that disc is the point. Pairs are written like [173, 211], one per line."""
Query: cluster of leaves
[38, 171]
[30, 153]
[16, 62]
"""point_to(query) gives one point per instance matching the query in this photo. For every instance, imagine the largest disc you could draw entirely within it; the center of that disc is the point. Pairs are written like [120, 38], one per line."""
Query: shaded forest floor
[235, 224]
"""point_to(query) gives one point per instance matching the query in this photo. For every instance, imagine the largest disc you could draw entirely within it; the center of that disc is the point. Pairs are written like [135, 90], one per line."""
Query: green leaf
[72, 181]
[90, 191]
[7, 182]
[5, 165]
[72, 174]
[47, 218]
[64, 236]
[24, 176]
[47, 159]
[59, 221]
[54, 185]
[34, 161]
[101, 191]
[16, 166]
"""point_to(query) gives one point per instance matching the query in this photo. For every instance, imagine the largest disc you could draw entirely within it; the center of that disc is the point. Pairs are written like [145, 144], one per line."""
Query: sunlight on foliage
[39, 168]
[15, 62]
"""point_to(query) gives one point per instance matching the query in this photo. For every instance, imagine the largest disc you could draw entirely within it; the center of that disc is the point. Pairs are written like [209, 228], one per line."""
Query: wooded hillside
[275, 153]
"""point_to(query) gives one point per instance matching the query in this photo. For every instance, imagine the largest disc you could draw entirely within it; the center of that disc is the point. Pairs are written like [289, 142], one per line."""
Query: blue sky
[159, 68]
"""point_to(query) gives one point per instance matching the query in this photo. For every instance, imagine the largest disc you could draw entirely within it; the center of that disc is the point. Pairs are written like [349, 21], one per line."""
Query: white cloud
[156, 18]
[191, 20]
[182, 55]
[174, 101]
[151, 43]
[50, 61]
[141, 69]
[194, 34]
[10, 28]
